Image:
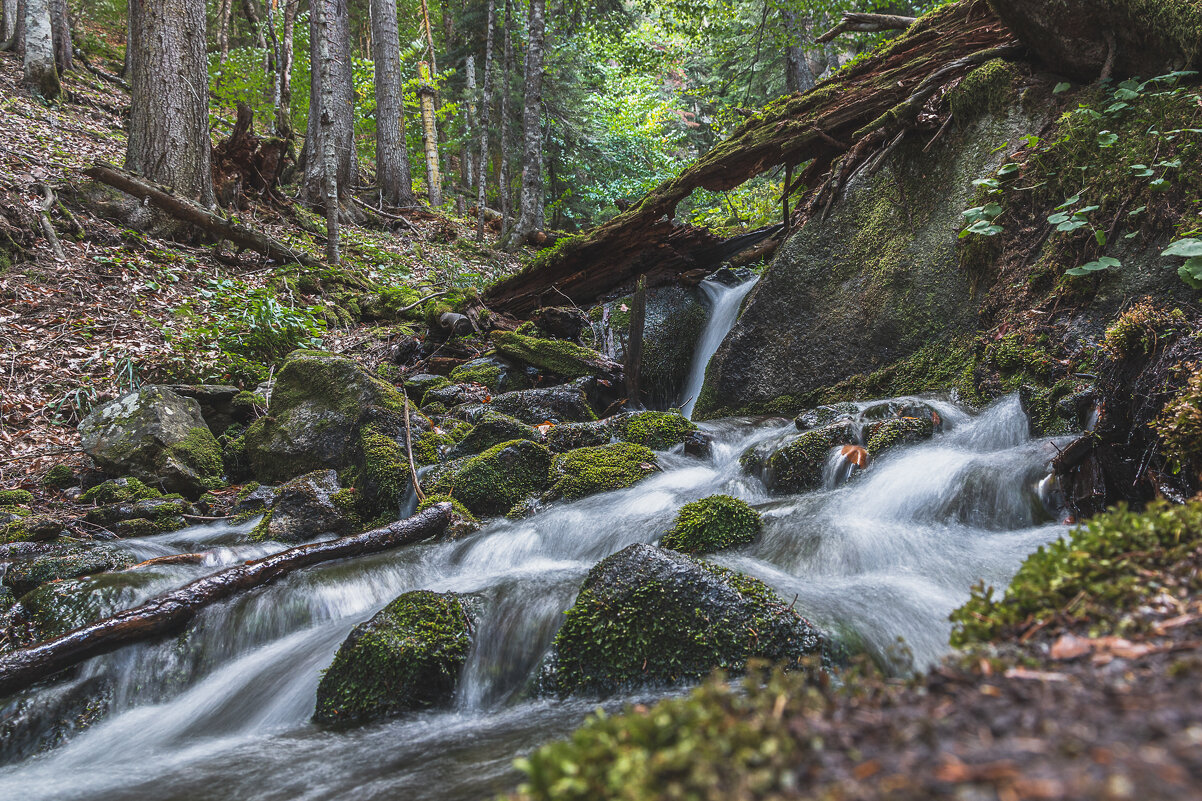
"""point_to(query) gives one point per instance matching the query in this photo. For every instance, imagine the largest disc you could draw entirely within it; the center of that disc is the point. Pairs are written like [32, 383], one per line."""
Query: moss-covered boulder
[493, 482]
[57, 607]
[408, 657]
[712, 524]
[567, 403]
[798, 466]
[648, 615]
[416, 386]
[29, 528]
[66, 562]
[497, 374]
[156, 509]
[587, 471]
[657, 430]
[17, 497]
[119, 490]
[825, 415]
[61, 476]
[493, 428]
[308, 507]
[454, 394]
[898, 431]
[556, 356]
[463, 522]
[157, 436]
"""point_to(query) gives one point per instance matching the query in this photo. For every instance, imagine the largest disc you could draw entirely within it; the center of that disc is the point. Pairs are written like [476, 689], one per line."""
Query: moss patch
[587, 471]
[15, 497]
[557, 356]
[987, 89]
[900, 431]
[657, 430]
[712, 524]
[493, 482]
[121, 490]
[1180, 424]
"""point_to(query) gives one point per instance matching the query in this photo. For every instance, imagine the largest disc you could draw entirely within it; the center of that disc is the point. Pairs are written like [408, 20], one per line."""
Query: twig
[417, 489]
[99, 73]
[427, 298]
[384, 214]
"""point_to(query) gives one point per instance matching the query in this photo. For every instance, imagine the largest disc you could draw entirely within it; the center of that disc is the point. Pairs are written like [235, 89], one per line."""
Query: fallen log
[816, 127]
[170, 613]
[854, 22]
[190, 211]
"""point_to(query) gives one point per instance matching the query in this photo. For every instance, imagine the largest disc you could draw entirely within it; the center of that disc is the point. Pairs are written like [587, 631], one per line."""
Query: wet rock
[555, 356]
[567, 403]
[254, 498]
[730, 276]
[648, 615]
[587, 471]
[307, 507]
[497, 374]
[798, 466]
[455, 394]
[71, 561]
[156, 436]
[29, 528]
[57, 607]
[569, 436]
[713, 524]
[493, 482]
[463, 522]
[408, 657]
[825, 415]
[898, 431]
[169, 511]
[561, 322]
[221, 406]
[416, 386]
[492, 429]
[1051, 411]
[699, 445]
[657, 430]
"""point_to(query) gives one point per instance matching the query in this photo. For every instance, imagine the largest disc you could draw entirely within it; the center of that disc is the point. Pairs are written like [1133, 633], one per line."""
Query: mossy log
[818, 126]
[172, 611]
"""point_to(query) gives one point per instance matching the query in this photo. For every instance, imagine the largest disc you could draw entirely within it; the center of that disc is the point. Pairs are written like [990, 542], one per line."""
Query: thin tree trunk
[341, 86]
[224, 12]
[127, 64]
[503, 172]
[283, 117]
[172, 611]
[425, 93]
[64, 55]
[530, 213]
[798, 77]
[40, 71]
[10, 22]
[15, 42]
[256, 22]
[392, 156]
[485, 115]
[469, 129]
[274, 56]
[326, 155]
[169, 110]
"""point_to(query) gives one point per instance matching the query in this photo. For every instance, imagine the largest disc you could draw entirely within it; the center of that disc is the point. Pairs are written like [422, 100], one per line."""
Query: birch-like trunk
[469, 127]
[60, 24]
[283, 117]
[326, 155]
[798, 77]
[169, 109]
[504, 173]
[341, 110]
[530, 211]
[485, 115]
[40, 71]
[9, 30]
[392, 156]
[425, 94]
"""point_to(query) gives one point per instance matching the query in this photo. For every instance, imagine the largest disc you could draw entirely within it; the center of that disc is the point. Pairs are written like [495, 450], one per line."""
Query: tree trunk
[342, 123]
[16, 43]
[469, 126]
[392, 156]
[169, 109]
[283, 117]
[326, 156]
[485, 115]
[40, 71]
[60, 23]
[425, 94]
[225, 12]
[504, 174]
[10, 22]
[256, 22]
[171, 612]
[127, 64]
[798, 77]
[530, 212]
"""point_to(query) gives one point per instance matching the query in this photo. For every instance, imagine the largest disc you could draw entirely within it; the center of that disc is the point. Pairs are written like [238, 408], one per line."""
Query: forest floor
[75, 332]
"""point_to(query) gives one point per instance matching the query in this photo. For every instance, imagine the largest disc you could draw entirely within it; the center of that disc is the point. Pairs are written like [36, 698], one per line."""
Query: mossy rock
[119, 490]
[463, 522]
[16, 497]
[493, 482]
[31, 528]
[416, 386]
[492, 429]
[799, 465]
[61, 476]
[988, 89]
[648, 615]
[566, 403]
[825, 415]
[499, 375]
[713, 524]
[67, 562]
[657, 430]
[557, 356]
[57, 607]
[1046, 415]
[306, 507]
[898, 431]
[570, 436]
[587, 471]
[408, 657]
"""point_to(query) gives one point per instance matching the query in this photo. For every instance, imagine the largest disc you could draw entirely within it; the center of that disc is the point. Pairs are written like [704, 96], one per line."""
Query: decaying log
[818, 127]
[192, 212]
[854, 22]
[171, 612]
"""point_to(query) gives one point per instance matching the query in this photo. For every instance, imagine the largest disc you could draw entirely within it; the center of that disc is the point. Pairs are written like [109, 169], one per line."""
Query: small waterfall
[725, 303]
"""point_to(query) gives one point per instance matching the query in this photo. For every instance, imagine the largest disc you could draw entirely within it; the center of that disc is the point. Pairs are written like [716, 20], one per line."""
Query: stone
[648, 615]
[586, 471]
[493, 482]
[562, 322]
[798, 466]
[713, 524]
[497, 374]
[65, 562]
[157, 436]
[567, 403]
[408, 657]
[307, 507]
[899, 431]
[492, 429]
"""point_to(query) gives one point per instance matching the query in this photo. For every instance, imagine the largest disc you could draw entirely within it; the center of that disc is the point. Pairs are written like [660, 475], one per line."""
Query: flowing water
[223, 712]
[725, 304]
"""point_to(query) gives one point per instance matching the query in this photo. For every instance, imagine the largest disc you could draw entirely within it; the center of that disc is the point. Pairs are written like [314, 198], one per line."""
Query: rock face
[307, 507]
[406, 658]
[651, 616]
[157, 436]
[871, 284]
[567, 403]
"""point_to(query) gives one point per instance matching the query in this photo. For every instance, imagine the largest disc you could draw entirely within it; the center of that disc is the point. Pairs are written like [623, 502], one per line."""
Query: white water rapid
[725, 304]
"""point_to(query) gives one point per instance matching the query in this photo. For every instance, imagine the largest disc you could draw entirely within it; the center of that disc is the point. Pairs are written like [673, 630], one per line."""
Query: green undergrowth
[1180, 424]
[1096, 577]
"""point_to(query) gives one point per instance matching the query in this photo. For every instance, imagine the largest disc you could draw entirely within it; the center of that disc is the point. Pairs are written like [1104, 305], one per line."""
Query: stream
[223, 711]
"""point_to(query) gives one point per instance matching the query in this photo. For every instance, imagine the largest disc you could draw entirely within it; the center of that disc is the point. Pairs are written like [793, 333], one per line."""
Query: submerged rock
[648, 615]
[156, 436]
[66, 562]
[57, 607]
[898, 431]
[713, 524]
[307, 507]
[586, 471]
[406, 658]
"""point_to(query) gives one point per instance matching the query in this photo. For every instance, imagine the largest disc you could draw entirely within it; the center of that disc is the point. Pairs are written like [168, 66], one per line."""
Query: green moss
[123, 490]
[1140, 329]
[493, 482]
[657, 430]
[408, 657]
[586, 471]
[15, 497]
[200, 451]
[1042, 407]
[899, 431]
[385, 465]
[798, 466]
[486, 374]
[493, 429]
[989, 89]
[456, 507]
[712, 524]
[260, 532]
[427, 449]
[1097, 576]
[61, 476]
[246, 405]
[1180, 424]
[246, 490]
[346, 501]
[140, 527]
[1013, 355]
[556, 356]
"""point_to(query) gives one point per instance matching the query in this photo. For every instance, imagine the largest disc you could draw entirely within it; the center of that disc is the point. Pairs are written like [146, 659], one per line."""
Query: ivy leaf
[1008, 169]
[1100, 237]
[1072, 201]
[1190, 248]
[1107, 139]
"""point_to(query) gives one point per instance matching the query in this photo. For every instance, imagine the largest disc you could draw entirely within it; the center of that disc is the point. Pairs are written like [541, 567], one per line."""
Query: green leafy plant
[1191, 249]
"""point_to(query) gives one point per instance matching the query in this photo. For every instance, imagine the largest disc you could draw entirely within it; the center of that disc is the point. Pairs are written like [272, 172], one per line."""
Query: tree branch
[854, 22]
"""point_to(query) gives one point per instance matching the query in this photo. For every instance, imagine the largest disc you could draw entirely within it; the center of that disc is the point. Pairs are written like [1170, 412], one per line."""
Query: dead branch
[853, 22]
[48, 226]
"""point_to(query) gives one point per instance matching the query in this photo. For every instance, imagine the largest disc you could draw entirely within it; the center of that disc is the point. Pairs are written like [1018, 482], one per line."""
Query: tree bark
[171, 612]
[326, 155]
[16, 43]
[425, 94]
[41, 74]
[853, 22]
[392, 156]
[256, 22]
[283, 117]
[530, 211]
[485, 119]
[504, 174]
[342, 115]
[469, 130]
[60, 23]
[169, 110]
[10, 22]
[798, 77]
[225, 12]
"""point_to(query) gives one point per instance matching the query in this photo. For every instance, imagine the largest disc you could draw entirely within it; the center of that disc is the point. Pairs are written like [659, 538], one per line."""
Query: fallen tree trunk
[854, 22]
[817, 127]
[192, 212]
[170, 613]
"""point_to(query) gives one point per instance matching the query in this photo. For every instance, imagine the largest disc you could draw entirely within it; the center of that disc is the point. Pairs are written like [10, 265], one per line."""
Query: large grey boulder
[155, 435]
